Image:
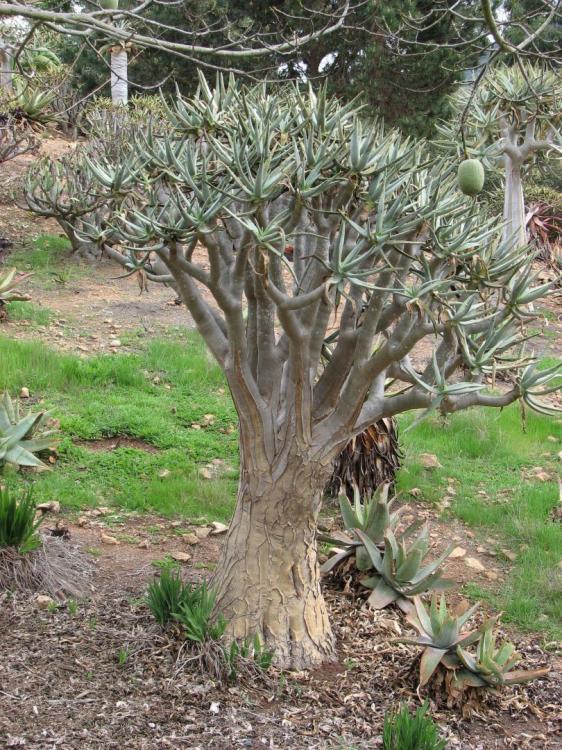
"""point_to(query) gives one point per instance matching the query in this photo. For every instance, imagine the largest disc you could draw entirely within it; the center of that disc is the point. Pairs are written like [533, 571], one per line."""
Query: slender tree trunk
[119, 77]
[268, 581]
[5, 68]
[514, 203]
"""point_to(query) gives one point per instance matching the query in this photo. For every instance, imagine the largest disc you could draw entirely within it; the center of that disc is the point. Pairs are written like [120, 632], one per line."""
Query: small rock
[190, 538]
[457, 552]
[560, 456]
[108, 539]
[415, 492]
[326, 523]
[44, 602]
[115, 342]
[509, 554]
[475, 564]
[218, 528]
[164, 473]
[82, 521]
[176, 524]
[53, 506]
[552, 438]
[429, 461]
[205, 473]
[491, 575]
[156, 380]
[24, 393]
[202, 532]
[181, 556]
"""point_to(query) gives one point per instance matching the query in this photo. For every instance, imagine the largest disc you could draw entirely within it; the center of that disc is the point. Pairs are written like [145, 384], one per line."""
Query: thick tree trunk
[268, 581]
[514, 203]
[119, 76]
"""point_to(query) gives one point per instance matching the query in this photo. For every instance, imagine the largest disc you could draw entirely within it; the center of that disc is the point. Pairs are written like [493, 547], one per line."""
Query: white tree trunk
[514, 203]
[119, 79]
[5, 68]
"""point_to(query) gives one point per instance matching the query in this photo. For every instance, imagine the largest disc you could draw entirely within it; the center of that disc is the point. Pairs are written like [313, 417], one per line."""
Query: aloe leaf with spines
[373, 516]
[23, 436]
[9, 280]
[400, 575]
[440, 632]
[491, 666]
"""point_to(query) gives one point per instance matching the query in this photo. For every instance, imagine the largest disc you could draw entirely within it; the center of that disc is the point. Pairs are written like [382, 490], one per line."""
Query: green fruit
[471, 176]
[109, 4]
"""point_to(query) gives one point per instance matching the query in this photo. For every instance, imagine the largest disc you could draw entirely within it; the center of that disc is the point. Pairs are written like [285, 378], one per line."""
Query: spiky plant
[23, 436]
[491, 666]
[372, 516]
[18, 522]
[367, 461]
[400, 573]
[8, 283]
[439, 633]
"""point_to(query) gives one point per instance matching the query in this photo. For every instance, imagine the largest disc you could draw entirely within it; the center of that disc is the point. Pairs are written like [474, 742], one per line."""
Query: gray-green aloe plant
[373, 517]
[400, 572]
[440, 632]
[490, 667]
[21, 436]
[281, 215]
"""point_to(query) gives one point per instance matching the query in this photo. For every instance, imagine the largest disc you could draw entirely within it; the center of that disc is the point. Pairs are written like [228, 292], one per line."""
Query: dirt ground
[106, 676]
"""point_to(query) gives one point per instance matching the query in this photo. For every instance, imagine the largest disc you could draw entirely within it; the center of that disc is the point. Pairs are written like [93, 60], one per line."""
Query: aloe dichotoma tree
[509, 121]
[386, 252]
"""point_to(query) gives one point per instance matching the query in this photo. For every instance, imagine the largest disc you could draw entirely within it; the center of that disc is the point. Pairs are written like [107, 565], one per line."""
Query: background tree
[386, 253]
[511, 120]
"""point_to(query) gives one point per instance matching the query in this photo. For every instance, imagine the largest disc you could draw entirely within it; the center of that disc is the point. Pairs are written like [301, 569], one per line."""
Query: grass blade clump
[402, 731]
[18, 524]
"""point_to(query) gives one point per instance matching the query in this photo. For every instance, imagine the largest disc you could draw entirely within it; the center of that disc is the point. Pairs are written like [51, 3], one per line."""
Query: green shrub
[18, 527]
[402, 731]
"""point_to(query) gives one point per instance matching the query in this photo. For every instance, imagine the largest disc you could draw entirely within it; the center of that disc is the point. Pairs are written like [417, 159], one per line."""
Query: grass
[47, 256]
[36, 316]
[109, 396]
[488, 452]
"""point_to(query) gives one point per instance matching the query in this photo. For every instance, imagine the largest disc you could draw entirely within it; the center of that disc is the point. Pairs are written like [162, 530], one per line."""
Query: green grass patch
[487, 451]
[49, 257]
[155, 396]
[37, 316]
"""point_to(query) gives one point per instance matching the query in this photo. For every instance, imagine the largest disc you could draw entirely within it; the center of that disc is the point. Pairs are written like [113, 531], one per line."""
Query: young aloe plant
[21, 437]
[439, 633]
[399, 571]
[490, 667]
[373, 517]
[8, 284]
